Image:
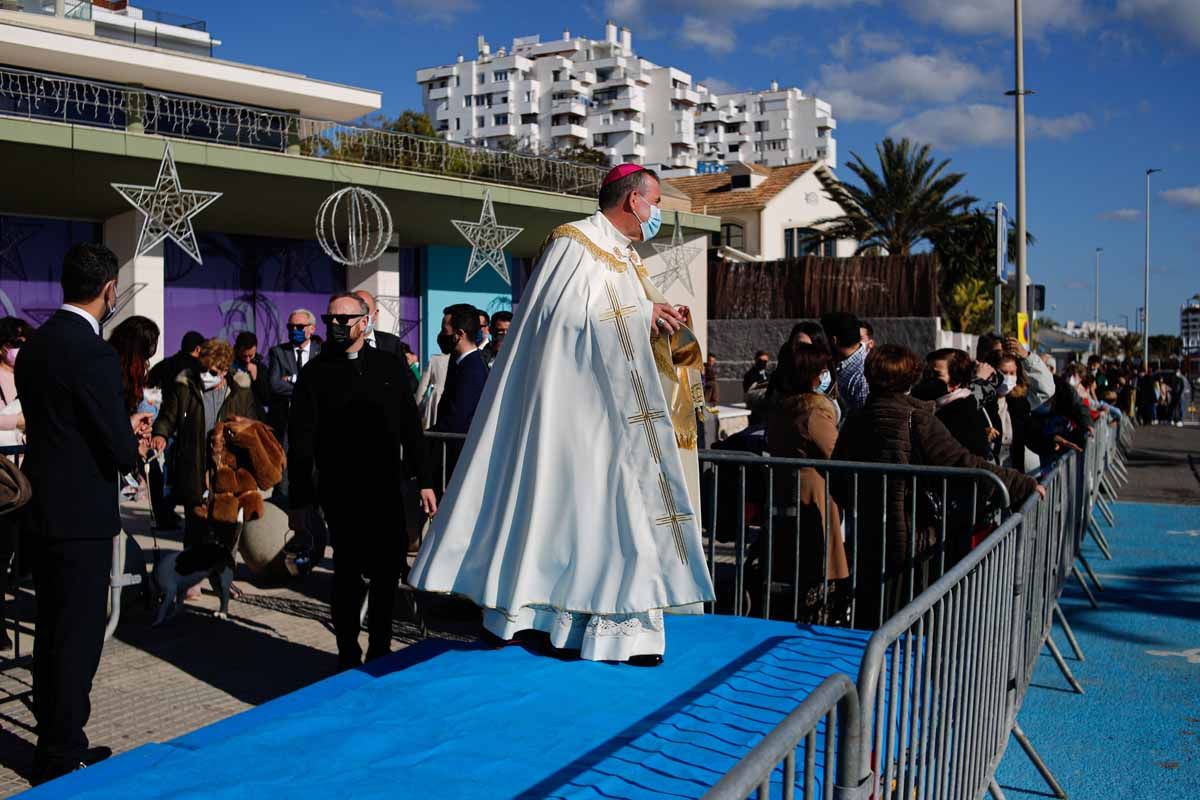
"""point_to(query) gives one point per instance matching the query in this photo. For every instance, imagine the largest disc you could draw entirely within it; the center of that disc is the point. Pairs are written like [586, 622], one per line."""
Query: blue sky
[1116, 84]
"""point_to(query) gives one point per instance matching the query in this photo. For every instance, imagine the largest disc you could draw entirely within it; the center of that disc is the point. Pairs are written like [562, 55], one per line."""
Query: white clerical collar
[77, 310]
[605, 224]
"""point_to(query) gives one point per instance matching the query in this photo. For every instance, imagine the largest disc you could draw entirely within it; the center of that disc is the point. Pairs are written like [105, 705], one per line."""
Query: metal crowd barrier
[835, 704]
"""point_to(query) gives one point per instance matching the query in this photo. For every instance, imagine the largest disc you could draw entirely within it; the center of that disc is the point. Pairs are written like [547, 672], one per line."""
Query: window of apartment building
[786, 123]
[639, 138]
[501, 99]
[479, 122]
[600, 140]
[762, 125]
[500, 119]
[735, 147]
[797, 244]
[500, 75]
[458, 80]
[733, 235]
[651, 128]
[468, 101]
[529, 119]
[556, 75]
[529, 97]
[777, 144]
[458, 123]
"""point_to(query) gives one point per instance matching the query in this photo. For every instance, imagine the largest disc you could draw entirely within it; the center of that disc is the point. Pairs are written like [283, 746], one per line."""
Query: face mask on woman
[1007, 384]
[10, 356]
[826, 382]
[209, 380]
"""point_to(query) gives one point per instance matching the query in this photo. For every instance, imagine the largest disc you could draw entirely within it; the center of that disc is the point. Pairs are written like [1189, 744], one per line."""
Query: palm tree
[911, 199]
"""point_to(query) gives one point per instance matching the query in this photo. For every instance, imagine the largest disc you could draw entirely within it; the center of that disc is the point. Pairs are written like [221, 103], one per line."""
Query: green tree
[1131, 345]
[1163, 346]
[582, 154]
[911, 199]
[967, 255]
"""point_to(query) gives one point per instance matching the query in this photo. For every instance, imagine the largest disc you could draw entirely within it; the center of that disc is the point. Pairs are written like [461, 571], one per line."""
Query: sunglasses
[340, 319]
[297, 326]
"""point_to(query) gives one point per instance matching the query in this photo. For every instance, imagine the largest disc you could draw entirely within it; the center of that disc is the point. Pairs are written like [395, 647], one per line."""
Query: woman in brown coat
[802, 423]
[894, 428]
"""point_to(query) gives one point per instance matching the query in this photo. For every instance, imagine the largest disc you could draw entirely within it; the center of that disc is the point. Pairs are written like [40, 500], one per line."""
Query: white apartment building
[1189, 325]
[1088, 328]
[580, 92]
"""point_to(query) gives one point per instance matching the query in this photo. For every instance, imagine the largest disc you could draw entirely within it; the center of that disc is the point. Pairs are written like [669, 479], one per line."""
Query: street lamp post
[1019, 95]
[1146, 280]
[1096, 323]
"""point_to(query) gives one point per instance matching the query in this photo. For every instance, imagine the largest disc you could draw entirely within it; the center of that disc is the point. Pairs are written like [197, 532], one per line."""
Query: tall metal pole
[1146, 281]
[1001, 252]
[1096, 329]
[1019, 92]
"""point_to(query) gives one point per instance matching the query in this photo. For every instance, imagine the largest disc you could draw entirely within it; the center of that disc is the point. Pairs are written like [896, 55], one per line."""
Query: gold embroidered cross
[618, 315]
[646, 416]
[672, 518]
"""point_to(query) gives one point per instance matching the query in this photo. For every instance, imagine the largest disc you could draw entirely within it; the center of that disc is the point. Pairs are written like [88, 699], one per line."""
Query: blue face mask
[652, 224]
[296, 336]
[826, 382]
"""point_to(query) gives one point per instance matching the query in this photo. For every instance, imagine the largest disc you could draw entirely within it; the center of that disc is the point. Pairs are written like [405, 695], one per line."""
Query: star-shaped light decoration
[392, 304]
[167, 209]
[487, 241]
[678, 258]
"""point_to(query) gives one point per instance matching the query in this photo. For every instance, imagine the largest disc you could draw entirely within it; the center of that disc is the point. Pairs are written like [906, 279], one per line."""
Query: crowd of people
[833, 393]
[87, 403]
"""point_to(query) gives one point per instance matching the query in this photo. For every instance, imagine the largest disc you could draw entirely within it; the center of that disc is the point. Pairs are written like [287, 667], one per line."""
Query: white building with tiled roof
[767, 212]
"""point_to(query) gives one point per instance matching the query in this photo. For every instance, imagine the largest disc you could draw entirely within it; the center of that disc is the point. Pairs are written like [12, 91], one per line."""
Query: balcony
[576, 108]
[570, 131]
[628, 102]
[439, 94]
[617, 126]
[826, 123]
[75, 9]
[45, 97]
[684, 95]
[573, 86]
[492, 131]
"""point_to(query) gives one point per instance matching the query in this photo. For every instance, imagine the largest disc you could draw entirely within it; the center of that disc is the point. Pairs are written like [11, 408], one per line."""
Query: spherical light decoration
[354, 226]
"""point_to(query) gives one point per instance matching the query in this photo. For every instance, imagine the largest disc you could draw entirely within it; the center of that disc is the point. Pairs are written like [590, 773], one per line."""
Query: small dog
[177, 572]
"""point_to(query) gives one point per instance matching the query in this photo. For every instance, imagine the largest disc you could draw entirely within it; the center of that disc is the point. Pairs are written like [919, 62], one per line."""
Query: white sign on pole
[1001, 243]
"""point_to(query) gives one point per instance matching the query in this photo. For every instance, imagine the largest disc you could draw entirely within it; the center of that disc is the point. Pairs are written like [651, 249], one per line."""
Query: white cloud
[1187, 196]
[718, 85]
[706, 33]
[1177, 19]
[882, 90]
[996, 16]
[443, 11]
[981, 125]
[1122, 215]
[852, 45]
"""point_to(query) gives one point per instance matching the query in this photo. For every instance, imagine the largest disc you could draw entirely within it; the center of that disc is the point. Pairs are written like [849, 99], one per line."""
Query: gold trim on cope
[600, 254]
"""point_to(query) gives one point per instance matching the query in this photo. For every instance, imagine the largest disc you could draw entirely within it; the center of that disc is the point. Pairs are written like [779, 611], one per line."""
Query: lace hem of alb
[608, 624]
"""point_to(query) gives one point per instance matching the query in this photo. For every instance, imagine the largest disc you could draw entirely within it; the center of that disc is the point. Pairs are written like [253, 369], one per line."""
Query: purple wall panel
[31, 256]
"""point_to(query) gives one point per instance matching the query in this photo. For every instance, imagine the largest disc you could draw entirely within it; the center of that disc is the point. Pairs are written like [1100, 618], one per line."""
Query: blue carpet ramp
[457, 721]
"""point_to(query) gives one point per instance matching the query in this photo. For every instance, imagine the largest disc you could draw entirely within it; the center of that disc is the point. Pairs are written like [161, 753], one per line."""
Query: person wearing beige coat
[802, 423]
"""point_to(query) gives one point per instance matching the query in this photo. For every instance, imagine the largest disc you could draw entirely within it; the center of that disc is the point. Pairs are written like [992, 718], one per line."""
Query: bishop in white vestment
[574, 508]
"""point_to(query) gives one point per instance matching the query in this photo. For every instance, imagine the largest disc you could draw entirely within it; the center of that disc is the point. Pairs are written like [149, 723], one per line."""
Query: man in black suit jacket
[79, 439]
[284, 362]
[379, 339]
[355, 420]
[467, 373]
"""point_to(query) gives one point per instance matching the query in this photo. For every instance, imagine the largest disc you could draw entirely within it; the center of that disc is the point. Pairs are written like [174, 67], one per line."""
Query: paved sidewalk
[155, 684]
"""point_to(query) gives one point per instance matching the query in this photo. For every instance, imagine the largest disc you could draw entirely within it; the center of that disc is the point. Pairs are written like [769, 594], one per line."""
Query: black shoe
[94, 755]
[645, 660]
[44, 773]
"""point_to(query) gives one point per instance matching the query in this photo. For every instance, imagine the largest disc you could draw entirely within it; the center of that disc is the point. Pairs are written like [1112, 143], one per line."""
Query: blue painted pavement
[1136, 731]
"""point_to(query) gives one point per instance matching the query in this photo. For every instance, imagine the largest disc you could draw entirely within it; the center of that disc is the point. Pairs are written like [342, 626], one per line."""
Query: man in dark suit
[284, 362]
[467, 373]
[80, 439]
[379, 339]
[354, 419]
